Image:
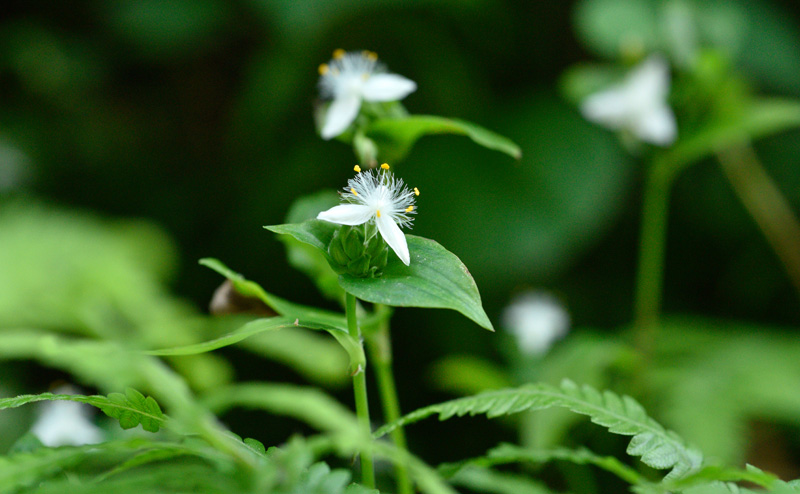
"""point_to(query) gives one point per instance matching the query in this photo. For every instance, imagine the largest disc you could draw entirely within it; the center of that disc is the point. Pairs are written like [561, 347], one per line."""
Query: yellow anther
[385, 166]
[353, 191]
[378, 213]
[370, 55]
[357, 169]
[409, 209]
[339, 54]
[323, 69]
[416, 191]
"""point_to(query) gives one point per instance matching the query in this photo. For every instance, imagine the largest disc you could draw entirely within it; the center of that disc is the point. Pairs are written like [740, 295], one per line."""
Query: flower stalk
[379, 346]
[360, 392]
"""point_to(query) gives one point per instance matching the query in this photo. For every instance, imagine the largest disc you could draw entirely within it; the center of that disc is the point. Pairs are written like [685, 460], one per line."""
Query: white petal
[347, 214]
[648, 83]
[394, 237]
[657, 126]
[610, 108]
[387, 87]
[340, 115]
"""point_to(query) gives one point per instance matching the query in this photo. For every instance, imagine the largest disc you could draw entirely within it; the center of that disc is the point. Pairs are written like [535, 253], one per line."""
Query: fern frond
[657, 447]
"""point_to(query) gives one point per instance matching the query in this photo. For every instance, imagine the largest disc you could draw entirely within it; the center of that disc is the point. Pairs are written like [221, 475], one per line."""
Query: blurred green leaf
[307, 258]
[582, 80]
[762, 117]
[467, 374]
[612, 28]
[396, 136]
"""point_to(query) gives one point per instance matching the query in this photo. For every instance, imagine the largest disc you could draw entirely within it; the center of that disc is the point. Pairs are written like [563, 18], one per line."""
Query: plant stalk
[360, 392]
[763, 200]
[650, 275]
[379, 346]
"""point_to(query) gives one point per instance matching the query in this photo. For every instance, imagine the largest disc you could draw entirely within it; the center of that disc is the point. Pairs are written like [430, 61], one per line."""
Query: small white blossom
[638, 104]
[352, 77]
[380, 197]
[537, 320]
[66, 423]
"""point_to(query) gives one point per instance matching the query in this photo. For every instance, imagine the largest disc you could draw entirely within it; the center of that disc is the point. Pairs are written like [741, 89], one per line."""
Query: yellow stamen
[357, 169]
[339, 54]
[416, 191]
[370, 55]
[385, 166]
[409, 209]
[353, 191]
[378, 213]
[323, 69]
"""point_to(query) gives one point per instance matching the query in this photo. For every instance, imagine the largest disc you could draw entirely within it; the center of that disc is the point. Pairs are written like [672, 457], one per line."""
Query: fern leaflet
[657, 447]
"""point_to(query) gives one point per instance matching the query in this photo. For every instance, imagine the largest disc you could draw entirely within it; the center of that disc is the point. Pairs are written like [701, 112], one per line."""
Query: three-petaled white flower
[380, 197]
[537, 320]
[351, 77]
[638, 104]
[66, 423]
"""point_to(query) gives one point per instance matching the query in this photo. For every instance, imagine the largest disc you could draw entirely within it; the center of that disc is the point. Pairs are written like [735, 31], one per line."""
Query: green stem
[379, 345]
[763, 200]
[360, 391]
[650, 276]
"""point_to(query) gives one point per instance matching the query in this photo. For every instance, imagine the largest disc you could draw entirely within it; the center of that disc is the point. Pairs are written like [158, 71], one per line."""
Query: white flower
[537, 320]
[638, 104]
[63, 423]
[380, 197]
[351, 77]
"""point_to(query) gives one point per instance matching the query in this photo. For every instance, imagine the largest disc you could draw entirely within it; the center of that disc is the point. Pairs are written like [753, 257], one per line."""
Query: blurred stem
[765, 203]
[360, 392]
[653, 234]
[379, 346]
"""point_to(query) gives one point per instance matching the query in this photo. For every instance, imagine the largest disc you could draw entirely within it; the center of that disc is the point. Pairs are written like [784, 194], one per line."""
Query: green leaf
[483, 479]
[611, 28]
[131, 408]
[396, 136]
[509, 453]
[252, 328]
[658, 447]
[307, 404]
[436, 278]
[761, 118]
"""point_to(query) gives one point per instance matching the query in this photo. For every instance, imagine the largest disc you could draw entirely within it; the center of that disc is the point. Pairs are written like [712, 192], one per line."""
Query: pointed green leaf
[250, 329]
[396, 136]
[279, 305]
[435, 278]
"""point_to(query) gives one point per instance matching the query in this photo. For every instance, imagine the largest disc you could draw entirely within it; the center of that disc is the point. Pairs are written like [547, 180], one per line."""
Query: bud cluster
[359, 251]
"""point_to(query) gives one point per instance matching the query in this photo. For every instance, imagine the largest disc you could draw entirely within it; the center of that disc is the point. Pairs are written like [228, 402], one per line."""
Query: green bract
[355, 252]
[435, 278]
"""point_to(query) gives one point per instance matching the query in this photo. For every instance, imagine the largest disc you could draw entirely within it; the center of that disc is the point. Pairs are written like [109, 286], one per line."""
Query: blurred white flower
[351, 77]
[379, 197]
[66, 423]
[637, 105]
[537, 320]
